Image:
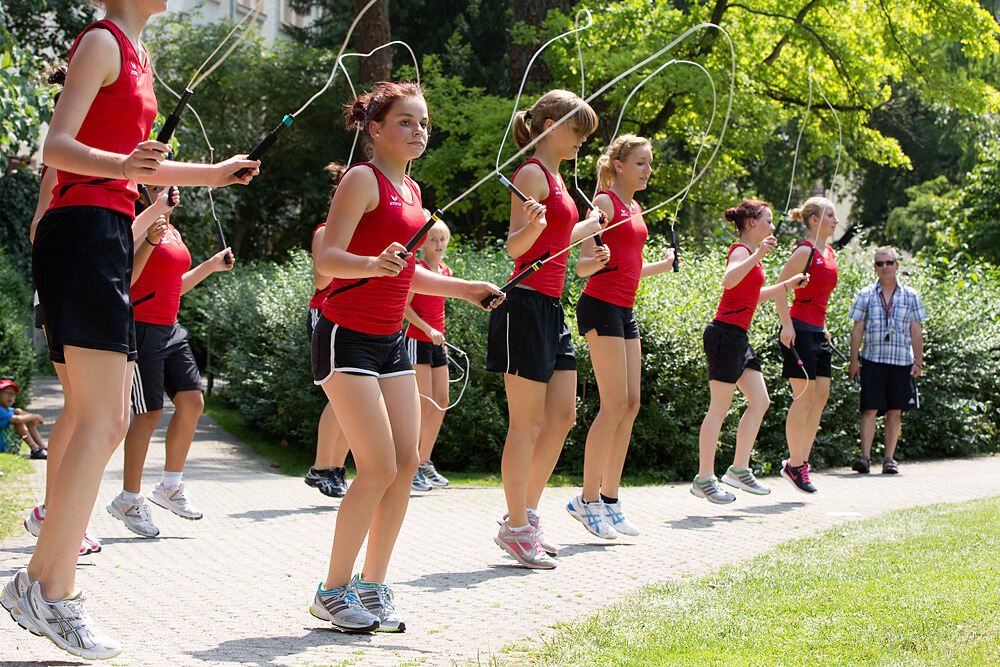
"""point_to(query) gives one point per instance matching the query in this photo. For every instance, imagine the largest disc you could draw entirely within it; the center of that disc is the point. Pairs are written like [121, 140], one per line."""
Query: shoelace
[804, 472]
[76, 619]
[142, 511]
[385, 597]
[615, 514]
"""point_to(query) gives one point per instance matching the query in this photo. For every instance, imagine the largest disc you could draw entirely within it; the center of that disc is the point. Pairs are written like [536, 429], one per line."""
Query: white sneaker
[33, 523]
[135, 516]
[14, 589]
[66, 623]
[341, 607]
[544, 542]
[592, 516]
[617, 519]
[175, 499]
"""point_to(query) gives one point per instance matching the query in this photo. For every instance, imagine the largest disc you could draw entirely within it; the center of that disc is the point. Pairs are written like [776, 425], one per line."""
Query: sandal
[862, 465]
[890, 467]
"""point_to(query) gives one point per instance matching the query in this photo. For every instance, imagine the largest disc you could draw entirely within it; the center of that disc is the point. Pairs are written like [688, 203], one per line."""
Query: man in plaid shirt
[887, 318]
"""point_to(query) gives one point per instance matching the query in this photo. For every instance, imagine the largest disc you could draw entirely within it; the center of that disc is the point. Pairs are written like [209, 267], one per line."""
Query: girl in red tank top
[732, 361]
[358, 354]
[605, 317]
[425, 342]
[803, 326]
[528, 340]
[82, 260]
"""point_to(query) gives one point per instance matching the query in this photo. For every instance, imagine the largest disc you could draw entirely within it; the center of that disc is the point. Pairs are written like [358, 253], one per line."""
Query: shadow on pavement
[446, 581]
[258, 516]
[695, 522]
[776, 508]
[263, 651]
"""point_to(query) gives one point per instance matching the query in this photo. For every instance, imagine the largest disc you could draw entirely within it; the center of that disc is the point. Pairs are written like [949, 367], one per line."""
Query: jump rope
[537, 264]
[791, 187]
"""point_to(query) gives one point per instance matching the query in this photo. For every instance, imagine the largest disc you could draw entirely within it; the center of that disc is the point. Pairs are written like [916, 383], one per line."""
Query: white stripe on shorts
[138, 397]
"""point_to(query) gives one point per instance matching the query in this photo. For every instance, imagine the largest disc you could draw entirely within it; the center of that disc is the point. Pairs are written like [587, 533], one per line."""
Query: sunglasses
[888, 262]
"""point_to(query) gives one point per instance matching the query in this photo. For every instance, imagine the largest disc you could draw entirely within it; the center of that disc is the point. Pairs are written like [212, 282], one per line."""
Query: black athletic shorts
[729, 352]
[606, 318]
[425, 352]
[815, 352]
[887, 387]
[335, 348]
[529, 337]
[165, 363]
[82, 266]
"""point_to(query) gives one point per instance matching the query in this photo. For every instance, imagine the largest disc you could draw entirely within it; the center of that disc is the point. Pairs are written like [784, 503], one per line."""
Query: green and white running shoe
[744, 479]
[710, 490]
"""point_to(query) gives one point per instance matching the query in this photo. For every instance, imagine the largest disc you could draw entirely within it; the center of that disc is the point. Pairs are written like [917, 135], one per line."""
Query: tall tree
[529, 18]
[374, 30]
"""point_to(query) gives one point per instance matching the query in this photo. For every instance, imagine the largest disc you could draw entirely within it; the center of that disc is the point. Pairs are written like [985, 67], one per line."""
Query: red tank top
[120, 117]
[319, 295]
[156, 295]
[377, 306]
[739, 303]
[811, 301]
[429, 308]
[560, 217]
[618, 282]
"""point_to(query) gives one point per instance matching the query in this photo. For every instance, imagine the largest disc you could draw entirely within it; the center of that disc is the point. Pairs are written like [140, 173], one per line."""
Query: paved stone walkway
[233, 588]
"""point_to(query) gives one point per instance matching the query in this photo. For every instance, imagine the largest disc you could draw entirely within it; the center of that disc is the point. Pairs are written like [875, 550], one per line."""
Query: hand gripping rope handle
[410, 245]
[504, 181]
[513, 282]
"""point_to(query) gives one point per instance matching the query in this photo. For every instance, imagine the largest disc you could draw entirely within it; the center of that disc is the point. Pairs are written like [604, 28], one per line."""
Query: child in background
[16, 424]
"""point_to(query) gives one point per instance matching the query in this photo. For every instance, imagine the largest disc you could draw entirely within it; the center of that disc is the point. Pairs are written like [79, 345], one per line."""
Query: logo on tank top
[135, 70]
[623, 213]
[394, 201]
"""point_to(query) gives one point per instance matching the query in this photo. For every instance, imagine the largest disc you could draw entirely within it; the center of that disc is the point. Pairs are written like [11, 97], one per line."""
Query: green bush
[17, 356]
[19, 194]
[259, 344]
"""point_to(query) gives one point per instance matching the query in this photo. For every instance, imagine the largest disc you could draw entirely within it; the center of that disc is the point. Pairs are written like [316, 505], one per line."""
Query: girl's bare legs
[557, 419]
[804, 416]
[60, 434]
[188, 406]
[431, 382]
[711, 426]
[331, 445]
[607, 354]
[104, 379]
[751, 383]
[525, 408]
[136, 446]
[361, 408]
[400, 395]
[612, 475]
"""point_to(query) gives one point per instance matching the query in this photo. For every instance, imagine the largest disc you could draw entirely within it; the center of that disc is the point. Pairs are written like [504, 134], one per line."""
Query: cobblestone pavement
[233, 588]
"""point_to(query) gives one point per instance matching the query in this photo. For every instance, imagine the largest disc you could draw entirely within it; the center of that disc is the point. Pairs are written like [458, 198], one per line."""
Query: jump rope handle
[265, 143]
[527, 271]
[167, 131]
[677, 250]
[412, 243]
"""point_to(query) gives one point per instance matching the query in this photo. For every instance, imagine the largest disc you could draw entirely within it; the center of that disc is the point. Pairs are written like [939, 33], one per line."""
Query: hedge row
[17, 355]
[255, 317]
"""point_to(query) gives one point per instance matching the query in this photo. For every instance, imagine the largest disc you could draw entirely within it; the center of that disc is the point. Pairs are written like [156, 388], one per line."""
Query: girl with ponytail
[803, 326]
[604, 315]
[529, 341]
[358, 354]
[732, 362]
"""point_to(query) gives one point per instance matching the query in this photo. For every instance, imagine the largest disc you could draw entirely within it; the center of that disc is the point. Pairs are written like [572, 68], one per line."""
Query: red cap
[8, 383]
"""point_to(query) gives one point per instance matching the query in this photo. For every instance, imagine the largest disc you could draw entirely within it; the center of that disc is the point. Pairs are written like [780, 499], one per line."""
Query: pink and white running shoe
[33, 524]
[524, 547]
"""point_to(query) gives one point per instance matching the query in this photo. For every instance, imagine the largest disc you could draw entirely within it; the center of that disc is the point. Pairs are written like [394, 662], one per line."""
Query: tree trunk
[373, 30]
[532, 13]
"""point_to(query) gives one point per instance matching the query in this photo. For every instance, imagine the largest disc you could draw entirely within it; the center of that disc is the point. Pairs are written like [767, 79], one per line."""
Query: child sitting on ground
[16, 424]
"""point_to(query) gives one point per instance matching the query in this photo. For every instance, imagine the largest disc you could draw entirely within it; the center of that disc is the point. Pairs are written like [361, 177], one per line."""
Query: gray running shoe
[66, 623]
[710, 490]
[342, 608]
[377, 599]
[175, 499]
[329, 481]
[135, 516]
[744, 479]
[14, 589]
[433, 477]
[420, 482]
[524, 547]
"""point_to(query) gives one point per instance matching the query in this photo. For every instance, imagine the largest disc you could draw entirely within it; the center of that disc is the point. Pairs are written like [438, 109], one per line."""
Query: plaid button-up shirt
[887, 327]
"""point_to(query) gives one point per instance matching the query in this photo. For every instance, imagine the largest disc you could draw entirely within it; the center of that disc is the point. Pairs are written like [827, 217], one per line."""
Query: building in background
[274, 14]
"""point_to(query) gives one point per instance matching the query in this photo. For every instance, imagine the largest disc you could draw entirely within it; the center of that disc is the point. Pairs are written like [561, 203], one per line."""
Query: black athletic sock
[607, 500]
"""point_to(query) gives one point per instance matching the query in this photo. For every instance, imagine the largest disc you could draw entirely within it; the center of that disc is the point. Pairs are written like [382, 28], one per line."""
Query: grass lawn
[917, 587]
[13, 492]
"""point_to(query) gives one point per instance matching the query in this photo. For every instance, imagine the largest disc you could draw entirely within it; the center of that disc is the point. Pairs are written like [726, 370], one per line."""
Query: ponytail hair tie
[527, 116]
